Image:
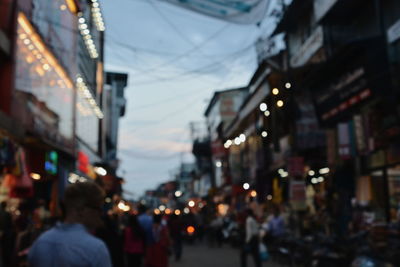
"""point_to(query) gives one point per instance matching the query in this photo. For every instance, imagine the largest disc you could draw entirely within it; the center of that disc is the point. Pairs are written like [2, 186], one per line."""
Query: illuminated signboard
[83, 162]
[51, 163]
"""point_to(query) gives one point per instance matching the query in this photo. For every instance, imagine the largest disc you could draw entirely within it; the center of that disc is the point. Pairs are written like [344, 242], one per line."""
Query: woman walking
[158, 252]
[134, 242]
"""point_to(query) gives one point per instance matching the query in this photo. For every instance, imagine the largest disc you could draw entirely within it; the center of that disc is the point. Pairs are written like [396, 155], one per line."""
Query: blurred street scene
[298, 167]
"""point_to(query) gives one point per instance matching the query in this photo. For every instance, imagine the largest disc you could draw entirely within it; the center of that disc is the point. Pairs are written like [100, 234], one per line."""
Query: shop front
[43, 96]
[351, 99]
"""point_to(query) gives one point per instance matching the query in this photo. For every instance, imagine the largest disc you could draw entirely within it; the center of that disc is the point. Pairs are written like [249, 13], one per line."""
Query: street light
[237, 141]
[178, 193]
[324, 171]
[275, 91]
[35, 176]
[191, 203]
[246, 186]
[279, 103]
[242, 138]
[100, 171]
[263, 107]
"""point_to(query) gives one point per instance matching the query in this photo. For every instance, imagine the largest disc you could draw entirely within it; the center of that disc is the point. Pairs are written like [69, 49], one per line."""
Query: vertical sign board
[298, 195]
[296, 166]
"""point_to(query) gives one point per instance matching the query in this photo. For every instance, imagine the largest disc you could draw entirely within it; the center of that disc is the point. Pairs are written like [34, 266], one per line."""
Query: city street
[200, 255]
[130, 127]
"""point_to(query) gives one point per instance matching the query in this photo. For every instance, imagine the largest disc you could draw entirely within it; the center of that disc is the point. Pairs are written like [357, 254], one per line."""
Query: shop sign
[217, 149]
[377, 159]
[321, 8]
[308, 48]
[51, 162]
[342, 94]
[393, 33]
[229, 104]
[83, 162]
[298, 195]
[308, 133]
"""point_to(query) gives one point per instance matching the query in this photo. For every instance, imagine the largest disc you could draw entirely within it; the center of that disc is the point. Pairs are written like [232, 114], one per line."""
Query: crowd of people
[87, 232]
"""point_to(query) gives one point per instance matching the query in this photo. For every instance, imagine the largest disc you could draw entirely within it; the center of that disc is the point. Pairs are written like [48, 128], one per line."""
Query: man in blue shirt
[70, 243]
[146, 222]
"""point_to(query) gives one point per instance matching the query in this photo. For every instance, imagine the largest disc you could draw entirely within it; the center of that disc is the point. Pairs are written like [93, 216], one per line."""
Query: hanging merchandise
[7, 152]
[21, 185]
[277, 191]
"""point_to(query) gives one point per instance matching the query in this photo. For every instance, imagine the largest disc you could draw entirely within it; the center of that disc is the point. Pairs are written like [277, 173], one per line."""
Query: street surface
[199, 255]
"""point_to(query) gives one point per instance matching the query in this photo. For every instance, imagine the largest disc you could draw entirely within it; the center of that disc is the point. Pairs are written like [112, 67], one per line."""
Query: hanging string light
[97, 16]
[87, 37]
[85, 92]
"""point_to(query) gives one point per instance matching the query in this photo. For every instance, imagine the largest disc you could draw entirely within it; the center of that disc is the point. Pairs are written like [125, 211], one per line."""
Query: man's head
[142, 208]
[83, 204]
[249, 212]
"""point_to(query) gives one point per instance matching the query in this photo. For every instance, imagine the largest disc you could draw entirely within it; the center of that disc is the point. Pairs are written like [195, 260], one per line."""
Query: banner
[241, 12]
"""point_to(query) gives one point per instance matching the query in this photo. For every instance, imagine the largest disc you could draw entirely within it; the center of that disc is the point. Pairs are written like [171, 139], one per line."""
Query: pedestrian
[71, 243]
[7, 235]
[215, 230]
[111, 235]
[176, 228]
[157, 253]
[276, 226]
[134, 242]
[146, 222]
[251, 243]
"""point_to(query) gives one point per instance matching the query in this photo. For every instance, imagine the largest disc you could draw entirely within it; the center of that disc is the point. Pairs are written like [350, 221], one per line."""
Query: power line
[188, 52]
[189, 72]
[179, 32]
